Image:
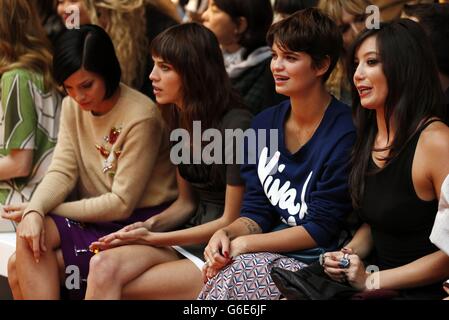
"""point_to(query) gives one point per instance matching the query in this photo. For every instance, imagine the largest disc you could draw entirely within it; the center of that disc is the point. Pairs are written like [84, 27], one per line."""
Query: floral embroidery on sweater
[108, 150]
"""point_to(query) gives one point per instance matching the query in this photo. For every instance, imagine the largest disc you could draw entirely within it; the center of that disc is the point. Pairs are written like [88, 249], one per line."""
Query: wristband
[26, 212]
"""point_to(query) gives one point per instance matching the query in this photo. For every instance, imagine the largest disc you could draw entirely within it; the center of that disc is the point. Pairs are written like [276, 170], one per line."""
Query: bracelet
[26, 212]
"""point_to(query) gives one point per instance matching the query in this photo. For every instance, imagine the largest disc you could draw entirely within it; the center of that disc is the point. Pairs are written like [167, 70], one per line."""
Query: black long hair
[414, 94]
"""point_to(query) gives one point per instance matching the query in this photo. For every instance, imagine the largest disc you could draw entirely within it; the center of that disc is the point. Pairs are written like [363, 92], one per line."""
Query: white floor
[7, 248]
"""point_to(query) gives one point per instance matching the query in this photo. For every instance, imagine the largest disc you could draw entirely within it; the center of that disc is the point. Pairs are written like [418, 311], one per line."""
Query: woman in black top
[190, 83]
[400, 160]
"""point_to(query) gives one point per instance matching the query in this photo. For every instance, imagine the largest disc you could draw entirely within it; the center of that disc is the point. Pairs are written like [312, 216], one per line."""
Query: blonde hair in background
[125, 22]
[23, 42]
[334, 8]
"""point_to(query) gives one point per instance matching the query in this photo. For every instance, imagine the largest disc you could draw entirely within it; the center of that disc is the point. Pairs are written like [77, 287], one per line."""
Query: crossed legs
[142, 272]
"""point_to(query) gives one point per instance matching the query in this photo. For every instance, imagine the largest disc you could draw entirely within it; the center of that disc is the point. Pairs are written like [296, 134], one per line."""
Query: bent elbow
[22, 171]
[124, 213]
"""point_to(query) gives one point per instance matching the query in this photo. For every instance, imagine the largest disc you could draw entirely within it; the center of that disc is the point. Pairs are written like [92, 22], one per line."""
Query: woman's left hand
[14, 212]
[209, 272]
[135, 236]
[211, 268]
[355, 273]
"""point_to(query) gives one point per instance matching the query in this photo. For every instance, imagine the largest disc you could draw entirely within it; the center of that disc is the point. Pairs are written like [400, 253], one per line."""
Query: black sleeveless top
[400, 221]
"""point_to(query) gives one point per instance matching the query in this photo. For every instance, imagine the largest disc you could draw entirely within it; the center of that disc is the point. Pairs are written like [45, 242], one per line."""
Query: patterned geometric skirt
[76, 238]
[248, 278]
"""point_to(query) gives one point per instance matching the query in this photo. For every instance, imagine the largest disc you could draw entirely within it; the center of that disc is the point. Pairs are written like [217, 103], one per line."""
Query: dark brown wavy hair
[195, 54]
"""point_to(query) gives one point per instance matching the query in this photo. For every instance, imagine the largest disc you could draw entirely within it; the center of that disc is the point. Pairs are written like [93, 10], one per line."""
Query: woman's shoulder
[136, 104]
[435, 137]
[22, 74]
[270, 117]
[17, 72]
[338, 117]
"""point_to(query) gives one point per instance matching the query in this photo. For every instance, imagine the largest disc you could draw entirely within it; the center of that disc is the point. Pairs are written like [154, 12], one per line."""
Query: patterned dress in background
[29, 119]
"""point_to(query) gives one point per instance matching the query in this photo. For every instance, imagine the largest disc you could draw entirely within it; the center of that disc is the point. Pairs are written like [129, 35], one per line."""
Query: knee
[103, 269]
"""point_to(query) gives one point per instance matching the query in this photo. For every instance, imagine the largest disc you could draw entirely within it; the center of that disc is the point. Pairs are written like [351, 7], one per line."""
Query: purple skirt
[76, 238]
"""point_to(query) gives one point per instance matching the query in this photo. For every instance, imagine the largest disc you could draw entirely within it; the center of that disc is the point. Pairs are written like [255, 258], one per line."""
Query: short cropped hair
[310, 31]
[89, 48]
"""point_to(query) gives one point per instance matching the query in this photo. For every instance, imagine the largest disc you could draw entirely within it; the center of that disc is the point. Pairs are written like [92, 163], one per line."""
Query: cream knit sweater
[117, 162]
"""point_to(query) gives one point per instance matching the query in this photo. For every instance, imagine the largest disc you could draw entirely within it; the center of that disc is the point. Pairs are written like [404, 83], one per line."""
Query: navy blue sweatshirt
[308, 188]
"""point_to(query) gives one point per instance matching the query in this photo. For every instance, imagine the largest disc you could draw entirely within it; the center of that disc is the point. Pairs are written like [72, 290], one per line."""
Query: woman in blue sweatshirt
[296, 196]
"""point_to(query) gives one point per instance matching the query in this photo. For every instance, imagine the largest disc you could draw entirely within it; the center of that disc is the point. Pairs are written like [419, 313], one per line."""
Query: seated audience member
[349, 15]
[296, 195]
[112, 149]
[30, 105]
[210, 190]
[241, 27]
[399, 162]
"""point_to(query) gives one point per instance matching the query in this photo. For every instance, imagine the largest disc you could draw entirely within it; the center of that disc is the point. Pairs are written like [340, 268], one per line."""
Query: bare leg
[12, 278]
[61, 265]
[14, 281]
[111, 270]
[179, 279]
[39, 280]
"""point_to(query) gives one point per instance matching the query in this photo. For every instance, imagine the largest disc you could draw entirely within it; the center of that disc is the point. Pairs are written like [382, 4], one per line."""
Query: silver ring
[322, 259]
[345, 262]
